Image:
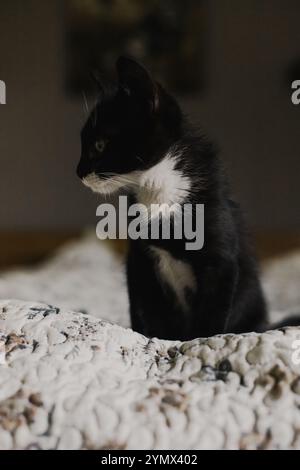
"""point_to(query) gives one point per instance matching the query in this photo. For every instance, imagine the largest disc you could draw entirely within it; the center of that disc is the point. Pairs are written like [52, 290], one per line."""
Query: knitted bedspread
[73, 376]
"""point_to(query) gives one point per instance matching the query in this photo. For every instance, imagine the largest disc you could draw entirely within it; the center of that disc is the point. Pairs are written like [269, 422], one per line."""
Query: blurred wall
[245, 107]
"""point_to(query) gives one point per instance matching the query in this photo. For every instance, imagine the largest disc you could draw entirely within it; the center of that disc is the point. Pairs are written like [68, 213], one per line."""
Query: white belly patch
[177, 274]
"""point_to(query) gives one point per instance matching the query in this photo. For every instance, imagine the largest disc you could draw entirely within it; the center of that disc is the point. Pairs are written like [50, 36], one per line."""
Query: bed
[73, 375]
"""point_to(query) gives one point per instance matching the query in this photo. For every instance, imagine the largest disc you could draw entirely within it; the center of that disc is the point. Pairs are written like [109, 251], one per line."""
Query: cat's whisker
[121, 178]
[85, 102]
[116, 181]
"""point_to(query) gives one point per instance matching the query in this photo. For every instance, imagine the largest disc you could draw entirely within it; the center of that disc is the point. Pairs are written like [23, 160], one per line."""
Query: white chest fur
[177, 274]
[163, 183]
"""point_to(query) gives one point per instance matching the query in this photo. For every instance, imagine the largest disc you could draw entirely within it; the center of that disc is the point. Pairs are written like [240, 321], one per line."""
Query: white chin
[100, 186]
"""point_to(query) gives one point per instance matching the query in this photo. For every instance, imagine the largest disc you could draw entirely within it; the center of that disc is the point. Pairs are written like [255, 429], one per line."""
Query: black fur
[140, 122]
[229, 296]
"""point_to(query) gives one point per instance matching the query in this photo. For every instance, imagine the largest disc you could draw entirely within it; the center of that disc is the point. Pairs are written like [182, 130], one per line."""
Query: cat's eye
[100, 145]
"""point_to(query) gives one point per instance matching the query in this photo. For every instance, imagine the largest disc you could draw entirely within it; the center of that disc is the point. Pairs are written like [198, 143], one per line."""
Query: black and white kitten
[137, 136]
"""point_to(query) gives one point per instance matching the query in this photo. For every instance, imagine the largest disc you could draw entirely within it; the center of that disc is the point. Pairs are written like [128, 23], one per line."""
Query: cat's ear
[136, 81]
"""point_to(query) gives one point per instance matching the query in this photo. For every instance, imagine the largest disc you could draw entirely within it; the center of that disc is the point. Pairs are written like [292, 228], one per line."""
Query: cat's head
[132, 125]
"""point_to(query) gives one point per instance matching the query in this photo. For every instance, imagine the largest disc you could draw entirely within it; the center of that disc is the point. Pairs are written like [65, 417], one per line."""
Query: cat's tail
[293, 320]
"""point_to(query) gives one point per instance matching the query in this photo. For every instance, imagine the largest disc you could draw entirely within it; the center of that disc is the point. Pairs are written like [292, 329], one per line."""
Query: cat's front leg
[137, 316]
[214, 303]
[154, 309]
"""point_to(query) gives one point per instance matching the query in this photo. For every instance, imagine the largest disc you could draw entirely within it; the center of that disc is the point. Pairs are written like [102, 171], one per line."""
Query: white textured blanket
[71, 380]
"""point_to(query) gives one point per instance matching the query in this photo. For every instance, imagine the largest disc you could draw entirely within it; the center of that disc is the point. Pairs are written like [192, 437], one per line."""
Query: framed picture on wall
[168, 36]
